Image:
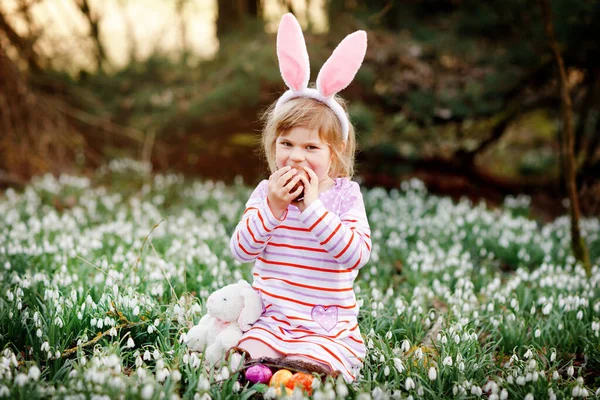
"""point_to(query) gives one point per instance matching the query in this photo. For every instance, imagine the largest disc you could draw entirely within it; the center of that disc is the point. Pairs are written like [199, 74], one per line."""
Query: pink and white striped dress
[305, 266]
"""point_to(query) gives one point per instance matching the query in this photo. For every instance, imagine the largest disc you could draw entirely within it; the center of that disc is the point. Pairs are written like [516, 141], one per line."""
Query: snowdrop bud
[555, 375]
[461, 366]
[398, 365]
[529, 396]
[386, 371]
[553, 356]
[538, 333]
[570, 370]
[521, 380]
[388, 335]
[575, 391]
[38, 333]
[130, 343]
[432, 374]
[579, 314]
[138, 361]
[503, 394]
[136, 311]
[176, 375]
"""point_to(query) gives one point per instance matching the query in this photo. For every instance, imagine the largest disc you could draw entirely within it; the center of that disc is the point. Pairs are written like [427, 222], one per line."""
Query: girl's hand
[311, 189]
[280, 184]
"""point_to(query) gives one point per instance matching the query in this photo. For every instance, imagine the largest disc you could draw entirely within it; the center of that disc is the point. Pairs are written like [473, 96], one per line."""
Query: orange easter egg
[280, 378]
[302, 380]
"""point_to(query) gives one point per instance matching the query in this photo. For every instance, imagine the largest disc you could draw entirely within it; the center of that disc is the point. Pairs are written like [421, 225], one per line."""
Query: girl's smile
[302, 147]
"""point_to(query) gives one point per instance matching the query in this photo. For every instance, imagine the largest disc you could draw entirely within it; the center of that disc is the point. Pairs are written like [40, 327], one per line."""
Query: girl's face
[302, 147]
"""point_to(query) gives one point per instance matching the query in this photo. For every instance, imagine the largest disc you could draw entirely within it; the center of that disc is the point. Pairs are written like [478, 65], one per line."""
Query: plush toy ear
[252, 310]
[292, 53]
[341, 67]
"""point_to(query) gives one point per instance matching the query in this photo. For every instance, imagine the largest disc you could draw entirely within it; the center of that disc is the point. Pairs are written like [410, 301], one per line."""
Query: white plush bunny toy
[231, 311]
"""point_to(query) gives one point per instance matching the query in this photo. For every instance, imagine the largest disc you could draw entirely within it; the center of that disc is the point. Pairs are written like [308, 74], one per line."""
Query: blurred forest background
[462, 94]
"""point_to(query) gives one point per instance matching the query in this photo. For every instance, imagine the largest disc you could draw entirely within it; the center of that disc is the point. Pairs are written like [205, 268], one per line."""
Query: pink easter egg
[258, 374]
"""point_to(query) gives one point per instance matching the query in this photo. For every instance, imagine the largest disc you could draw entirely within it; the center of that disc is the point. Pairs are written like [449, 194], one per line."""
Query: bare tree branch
[577, 242]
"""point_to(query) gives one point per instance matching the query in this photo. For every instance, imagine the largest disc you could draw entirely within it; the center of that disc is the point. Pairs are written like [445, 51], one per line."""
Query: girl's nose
[297, 155]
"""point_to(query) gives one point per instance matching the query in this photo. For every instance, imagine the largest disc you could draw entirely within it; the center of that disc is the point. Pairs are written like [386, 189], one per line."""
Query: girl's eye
[312, 147]
[286, 143]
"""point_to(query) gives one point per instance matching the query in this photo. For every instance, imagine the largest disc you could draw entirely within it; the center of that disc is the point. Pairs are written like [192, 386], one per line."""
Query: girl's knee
[258, 349]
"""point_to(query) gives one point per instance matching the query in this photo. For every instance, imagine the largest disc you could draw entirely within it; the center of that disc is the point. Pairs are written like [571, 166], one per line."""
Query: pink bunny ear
[292, 54]
[339, 70]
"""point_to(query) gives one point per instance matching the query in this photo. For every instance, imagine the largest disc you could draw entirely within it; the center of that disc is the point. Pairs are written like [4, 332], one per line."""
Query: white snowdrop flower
[388, 335]
[444, 339]
[521, 380]
[113, 331]
[271, 393]
[162, 374]
[547, 308]
[370, 343]
[555, 375]
[136, 311]
[409, 384]
[156, 322]
[225, 373]
[570, 370]
[537, 333]
[560, 326]
[398, 365]
[551, 394]
[83, 360]
[528, 354]
[147, 355]
[579, 314]
[150, 328]
[553, 356]
[532, 364]
[340, 388]
[405, 346]
[57, 354]
[432, 374]
[597, 392]
[461, 366]
[160, 364]
[382, 358]
[99, 324]
[583, 392]
[447, 361]
[575, 391]
[138, 361]
[93, 322]
[529, 396]
[419, 353]
[529, 377]
[130, 343]
[494, 396]
[34, 373]
[58, 322]
[147, 391]
[456, 339]
[21, 379]
[38, 333]
[503, 394]
[476, 390]
[386, 371]
[176, 375]
[237, 386]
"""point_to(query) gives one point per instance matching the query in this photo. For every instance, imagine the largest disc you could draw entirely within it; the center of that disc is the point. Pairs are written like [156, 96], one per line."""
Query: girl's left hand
[311, 189]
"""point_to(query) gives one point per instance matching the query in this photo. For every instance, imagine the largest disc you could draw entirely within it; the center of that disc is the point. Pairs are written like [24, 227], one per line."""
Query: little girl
[308, 242]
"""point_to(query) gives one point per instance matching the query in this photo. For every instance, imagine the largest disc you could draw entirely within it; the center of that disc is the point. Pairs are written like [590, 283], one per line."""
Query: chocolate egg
[258, 374]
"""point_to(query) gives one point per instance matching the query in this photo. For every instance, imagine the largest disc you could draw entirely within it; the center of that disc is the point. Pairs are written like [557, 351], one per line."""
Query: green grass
[132, 257]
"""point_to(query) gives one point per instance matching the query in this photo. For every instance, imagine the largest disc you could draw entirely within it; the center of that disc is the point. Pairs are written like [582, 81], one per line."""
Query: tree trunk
[94, 22]
[23, 45]
[578, 245]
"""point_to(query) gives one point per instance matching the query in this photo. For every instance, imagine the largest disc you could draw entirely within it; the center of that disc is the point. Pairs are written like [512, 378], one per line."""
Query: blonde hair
[311, 114]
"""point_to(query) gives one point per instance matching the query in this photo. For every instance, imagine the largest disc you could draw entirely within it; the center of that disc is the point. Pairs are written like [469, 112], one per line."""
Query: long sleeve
[254, 230]
[346, 237]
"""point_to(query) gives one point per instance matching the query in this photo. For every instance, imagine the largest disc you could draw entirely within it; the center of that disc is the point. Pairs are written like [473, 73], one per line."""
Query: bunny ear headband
[337, 72]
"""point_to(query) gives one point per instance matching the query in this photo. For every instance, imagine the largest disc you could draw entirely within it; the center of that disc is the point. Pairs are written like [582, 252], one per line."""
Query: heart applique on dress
[327, 317]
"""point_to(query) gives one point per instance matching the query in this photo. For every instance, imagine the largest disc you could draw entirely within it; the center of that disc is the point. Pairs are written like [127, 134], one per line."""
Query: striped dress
[305, 266]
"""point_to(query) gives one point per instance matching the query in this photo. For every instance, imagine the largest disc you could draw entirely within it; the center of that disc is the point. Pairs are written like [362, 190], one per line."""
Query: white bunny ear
[339, 70]
[252, 310]
[292, 53]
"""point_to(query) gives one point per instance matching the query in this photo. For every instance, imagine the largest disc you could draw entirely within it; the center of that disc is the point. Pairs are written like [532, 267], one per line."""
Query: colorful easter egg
[280, 378]
[258, 374]
[301, 380]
